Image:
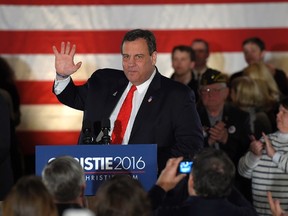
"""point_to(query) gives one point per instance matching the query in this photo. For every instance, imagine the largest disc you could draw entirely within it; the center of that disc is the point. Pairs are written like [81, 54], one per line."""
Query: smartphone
[185, 166]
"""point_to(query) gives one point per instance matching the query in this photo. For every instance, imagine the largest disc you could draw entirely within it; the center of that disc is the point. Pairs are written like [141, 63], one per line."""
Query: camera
[185, 166]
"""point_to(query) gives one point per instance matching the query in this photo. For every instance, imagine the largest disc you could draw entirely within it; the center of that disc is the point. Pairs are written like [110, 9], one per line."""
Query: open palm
[64, 60]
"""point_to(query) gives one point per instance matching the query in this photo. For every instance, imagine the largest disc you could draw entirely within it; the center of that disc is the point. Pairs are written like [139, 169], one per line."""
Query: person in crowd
[9, 90]
[6, 176]
[260, 73]
[275, 206]
[183, 61]
[225, 127]
[202, 52]
[254, 52]
[246, 94]
[121, 195]
[266, 164]
[29, 197]
[159, 110]
[7, 82]
[210, 187]
[64, 179]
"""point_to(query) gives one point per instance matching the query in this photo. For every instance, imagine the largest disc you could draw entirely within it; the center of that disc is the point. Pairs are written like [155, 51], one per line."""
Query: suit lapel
[113, 97]
[150, 100]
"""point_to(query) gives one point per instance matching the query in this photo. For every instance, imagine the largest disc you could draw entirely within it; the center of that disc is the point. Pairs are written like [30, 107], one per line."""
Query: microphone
[105, 128]
[87, 132]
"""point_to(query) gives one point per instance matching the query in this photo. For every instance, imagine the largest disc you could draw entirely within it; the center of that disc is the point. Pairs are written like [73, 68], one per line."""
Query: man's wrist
[61, 76]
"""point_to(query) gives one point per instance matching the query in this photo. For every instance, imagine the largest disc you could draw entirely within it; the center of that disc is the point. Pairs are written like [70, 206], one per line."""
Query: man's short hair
[256, 40]
[198, 40]
[213, 173]
[147, 35]
[121, 195]
[64, 178]
[184, 48]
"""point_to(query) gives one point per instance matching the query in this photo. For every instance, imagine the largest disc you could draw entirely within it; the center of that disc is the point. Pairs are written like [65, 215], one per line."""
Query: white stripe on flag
[186, 16]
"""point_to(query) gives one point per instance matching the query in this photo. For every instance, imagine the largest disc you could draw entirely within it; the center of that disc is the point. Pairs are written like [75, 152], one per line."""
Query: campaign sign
[101, 162]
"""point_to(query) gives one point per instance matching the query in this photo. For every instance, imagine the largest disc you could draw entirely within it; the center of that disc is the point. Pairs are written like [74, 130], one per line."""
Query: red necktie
[123, 118]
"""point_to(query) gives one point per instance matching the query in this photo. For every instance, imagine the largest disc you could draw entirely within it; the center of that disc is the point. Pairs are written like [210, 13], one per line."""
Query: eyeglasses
[211, 91]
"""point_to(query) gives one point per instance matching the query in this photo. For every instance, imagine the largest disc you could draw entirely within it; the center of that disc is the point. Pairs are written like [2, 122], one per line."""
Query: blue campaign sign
[101, 162]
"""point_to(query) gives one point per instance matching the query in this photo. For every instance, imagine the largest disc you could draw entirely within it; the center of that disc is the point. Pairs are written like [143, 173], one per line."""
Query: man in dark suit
[6, 174]
[210, 188]
[163, 112]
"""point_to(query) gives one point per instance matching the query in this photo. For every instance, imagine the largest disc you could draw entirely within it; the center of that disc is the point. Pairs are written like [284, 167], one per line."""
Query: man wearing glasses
[224, 127]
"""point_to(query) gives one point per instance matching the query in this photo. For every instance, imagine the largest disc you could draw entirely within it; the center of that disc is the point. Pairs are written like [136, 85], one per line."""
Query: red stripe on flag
[221, 40]
[29, 139]
[37, 92]
[127, 2]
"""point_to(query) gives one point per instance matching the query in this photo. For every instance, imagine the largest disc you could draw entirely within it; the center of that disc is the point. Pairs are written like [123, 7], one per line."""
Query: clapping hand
[268, 146]
[256, 146]
[218, 133]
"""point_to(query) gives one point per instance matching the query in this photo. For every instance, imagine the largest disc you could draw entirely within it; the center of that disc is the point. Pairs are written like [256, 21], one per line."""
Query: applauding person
[266, 164]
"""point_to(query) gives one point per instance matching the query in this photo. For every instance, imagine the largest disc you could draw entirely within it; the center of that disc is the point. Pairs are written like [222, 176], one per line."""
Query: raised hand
[268, 146]
[64, 60]
[256, 146]
[275, 207]
[169, 178]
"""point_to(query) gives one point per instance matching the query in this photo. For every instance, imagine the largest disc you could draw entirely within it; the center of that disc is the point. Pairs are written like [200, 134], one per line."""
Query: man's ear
[263, 54]
[191, 190]
[192, 65]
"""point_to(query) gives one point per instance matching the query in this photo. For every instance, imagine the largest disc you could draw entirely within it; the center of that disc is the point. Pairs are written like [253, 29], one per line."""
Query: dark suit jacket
[235, 204]
[238, 123]
[193, 84]
[6, 175]
[167, 116]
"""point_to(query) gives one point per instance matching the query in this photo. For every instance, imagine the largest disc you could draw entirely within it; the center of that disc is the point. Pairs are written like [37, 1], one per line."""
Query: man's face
[137, 64]
[213, 95]
[201, 53]
[282, 119]
[181, 62]
[252, 53]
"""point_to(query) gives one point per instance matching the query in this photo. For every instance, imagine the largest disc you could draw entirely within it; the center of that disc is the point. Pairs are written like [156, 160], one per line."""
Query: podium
[101, 162]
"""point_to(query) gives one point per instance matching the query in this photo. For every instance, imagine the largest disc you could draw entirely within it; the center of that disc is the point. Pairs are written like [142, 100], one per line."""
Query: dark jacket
[235, 204]
[167, 116]
[6, 176]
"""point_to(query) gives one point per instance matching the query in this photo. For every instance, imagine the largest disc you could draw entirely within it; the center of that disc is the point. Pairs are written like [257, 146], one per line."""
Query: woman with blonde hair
[246, 95]
[264, 79]
[261, 74]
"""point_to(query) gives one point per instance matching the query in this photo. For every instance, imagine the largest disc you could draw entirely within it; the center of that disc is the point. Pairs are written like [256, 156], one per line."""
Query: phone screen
[185, 167]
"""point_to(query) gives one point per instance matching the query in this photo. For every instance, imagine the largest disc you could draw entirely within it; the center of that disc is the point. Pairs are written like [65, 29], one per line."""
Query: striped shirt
[268, 174]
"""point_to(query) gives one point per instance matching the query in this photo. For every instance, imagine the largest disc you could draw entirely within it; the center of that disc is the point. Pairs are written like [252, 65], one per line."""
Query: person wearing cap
[225, 127]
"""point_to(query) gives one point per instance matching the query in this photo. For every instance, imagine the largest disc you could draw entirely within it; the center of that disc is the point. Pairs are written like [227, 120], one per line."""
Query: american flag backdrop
[29, 28]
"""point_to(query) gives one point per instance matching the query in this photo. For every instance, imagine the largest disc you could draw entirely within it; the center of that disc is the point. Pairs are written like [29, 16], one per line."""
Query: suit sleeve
[73, 96]
[188, 129]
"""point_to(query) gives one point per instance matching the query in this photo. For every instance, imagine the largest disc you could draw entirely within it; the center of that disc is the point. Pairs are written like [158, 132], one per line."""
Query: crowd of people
[233, 128]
